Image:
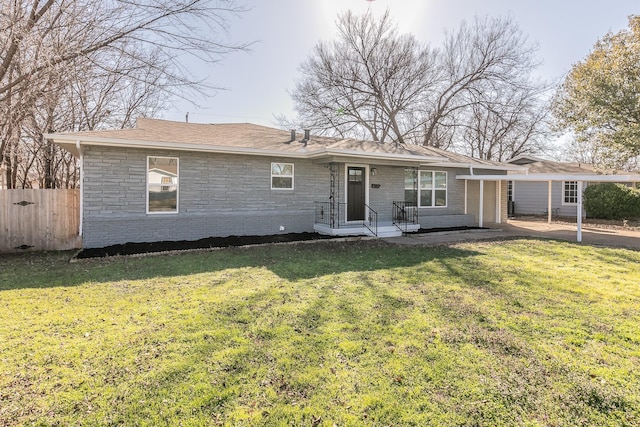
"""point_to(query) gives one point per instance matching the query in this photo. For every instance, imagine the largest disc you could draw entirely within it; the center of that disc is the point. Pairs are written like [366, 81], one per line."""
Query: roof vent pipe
[293, 136]
[306, 137]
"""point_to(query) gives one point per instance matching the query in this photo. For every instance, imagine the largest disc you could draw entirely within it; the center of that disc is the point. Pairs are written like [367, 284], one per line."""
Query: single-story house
[167, 180]
[527, 197]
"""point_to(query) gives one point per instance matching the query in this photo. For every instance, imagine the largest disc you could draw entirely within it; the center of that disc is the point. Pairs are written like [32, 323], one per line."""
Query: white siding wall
[531, 198]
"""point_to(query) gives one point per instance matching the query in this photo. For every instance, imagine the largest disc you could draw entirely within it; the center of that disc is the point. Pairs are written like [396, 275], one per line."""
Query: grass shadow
[290, 262]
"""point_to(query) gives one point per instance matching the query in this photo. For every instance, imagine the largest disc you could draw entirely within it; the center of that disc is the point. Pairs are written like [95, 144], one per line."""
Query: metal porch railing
[334, 215]
[371, 222]
[404, 214]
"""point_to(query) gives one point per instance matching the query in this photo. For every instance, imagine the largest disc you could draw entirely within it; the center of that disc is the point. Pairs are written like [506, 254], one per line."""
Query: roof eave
[477, 166]
[129, 143]
[65, 140]
[370, 155]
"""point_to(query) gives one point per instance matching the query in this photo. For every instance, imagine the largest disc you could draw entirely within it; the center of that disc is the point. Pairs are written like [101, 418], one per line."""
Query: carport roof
[553, 177]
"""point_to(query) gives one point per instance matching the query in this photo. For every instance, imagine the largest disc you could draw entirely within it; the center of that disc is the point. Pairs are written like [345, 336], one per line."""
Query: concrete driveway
[519, 228]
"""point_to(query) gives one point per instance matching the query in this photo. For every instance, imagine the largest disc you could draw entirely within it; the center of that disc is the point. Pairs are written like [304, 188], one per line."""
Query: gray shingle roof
[258, 138]
[541, 166]
[548, 166]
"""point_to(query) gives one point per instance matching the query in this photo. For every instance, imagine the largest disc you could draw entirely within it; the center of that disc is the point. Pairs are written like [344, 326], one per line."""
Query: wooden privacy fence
[39, 220]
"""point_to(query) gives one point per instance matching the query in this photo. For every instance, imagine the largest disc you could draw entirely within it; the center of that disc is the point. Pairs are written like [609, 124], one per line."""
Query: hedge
[612, 201]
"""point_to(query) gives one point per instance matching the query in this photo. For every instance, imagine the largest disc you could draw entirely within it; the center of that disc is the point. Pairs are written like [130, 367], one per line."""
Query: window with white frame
[432, 189]
[410, 186]
[570, 193]
[282, 176]
[162, 184]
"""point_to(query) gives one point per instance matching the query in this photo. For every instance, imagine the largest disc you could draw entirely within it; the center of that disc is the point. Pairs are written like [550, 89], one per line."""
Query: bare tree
[104, 62]
[65, 30]
[487, 69]
[368, 82]
[374, 82]
[593, 152]
[504, 123]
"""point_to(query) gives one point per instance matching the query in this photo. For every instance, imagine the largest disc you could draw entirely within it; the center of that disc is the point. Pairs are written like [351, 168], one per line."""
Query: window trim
[293, 174]
[564, 193]
[433, 188]
[414, 184]
[177, 211]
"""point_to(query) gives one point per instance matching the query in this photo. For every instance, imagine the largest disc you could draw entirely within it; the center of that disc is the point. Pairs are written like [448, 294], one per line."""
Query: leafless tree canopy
[69, 65]
[474, 94]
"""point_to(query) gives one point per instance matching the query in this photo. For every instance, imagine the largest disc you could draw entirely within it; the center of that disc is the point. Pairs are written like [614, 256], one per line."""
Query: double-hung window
[432, 189]
[570, 193]
[162, 184]
[410, 186]
[282, 176]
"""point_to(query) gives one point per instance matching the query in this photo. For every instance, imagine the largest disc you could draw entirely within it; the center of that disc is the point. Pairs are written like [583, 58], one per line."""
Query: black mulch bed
[219, 242]
[209, 242]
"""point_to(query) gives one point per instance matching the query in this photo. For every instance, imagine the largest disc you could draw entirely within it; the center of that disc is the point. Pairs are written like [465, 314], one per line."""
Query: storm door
[355, 193]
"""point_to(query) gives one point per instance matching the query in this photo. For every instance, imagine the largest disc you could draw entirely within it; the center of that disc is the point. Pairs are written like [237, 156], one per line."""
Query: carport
[550, 178]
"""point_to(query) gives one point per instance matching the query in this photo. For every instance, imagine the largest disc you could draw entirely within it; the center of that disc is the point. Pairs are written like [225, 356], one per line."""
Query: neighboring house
[167, 180]
[529, 197]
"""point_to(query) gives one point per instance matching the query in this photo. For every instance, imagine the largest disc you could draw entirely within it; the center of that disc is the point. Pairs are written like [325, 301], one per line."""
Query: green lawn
[523, 332]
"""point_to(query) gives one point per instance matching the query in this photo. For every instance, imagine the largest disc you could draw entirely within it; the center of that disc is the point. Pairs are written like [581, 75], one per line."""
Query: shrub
[612, 201]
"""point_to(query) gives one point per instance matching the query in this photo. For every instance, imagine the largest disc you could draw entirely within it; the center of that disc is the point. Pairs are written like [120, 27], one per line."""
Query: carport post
[549, 207]
[498, 200]
[480, 219]
[466, 196]
[579, 213]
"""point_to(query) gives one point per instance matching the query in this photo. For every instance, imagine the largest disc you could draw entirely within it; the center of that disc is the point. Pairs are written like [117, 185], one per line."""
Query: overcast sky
[257, 83]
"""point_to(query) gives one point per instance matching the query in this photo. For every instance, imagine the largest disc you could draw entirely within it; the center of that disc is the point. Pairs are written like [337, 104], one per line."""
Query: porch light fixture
[374, 171]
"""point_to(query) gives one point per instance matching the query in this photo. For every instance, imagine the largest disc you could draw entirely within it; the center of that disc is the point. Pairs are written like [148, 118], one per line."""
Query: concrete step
[386, 230]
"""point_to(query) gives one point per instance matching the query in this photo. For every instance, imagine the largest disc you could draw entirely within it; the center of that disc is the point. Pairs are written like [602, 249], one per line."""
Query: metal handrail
[324, 213]
[372, 219]
[404, 213]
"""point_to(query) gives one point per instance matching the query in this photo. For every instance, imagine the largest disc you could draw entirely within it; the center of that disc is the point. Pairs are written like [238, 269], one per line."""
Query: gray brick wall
[392, 188]
[455, 194]
[391, 182]
[219, 195]
[444, 221]
[225, 194]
